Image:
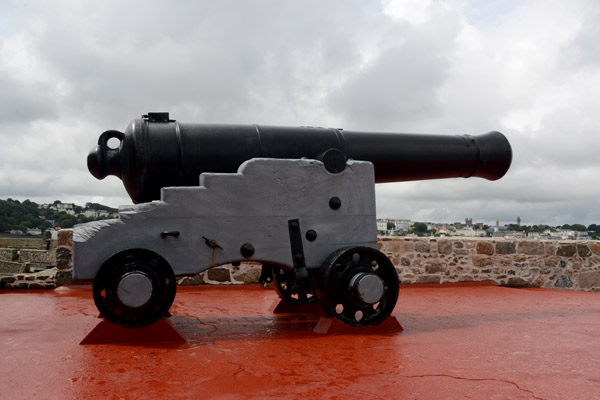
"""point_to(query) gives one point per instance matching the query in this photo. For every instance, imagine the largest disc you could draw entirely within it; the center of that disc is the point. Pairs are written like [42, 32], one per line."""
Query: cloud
[529, 69]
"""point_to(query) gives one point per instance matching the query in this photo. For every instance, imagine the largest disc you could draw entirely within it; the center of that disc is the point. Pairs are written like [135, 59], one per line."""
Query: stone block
[192, 280]
[429, 279]
[219, 275]
[34, 256]
[248, 274]
[22, 243]
[7, 279]
[435, 268]
[506, 248]
[63, 277]
[470, 244]
[551, 261]
[9, 254]
[549, 249]
[517, 282]
[566, 250]
[595, 248]
[485, 248]
[482, 261]
[583, 250]
[564, 281]
[445, 247]
[589, 279]
[64, 257]
[400, 246]
[532, 248]
[422, 247]
[10, 267]
[65, 238]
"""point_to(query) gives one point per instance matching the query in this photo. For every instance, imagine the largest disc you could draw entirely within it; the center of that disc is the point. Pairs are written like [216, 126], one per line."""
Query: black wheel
[134, 288]
[359, 286]
[284, 280]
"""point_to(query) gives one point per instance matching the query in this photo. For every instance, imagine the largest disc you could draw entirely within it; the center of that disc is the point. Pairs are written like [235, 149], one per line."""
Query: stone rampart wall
[9, 254]
[34, 256]
[10, 267]
[507, 262]
[22, 243]
[20, 257]
[517, 263]
[573, 265]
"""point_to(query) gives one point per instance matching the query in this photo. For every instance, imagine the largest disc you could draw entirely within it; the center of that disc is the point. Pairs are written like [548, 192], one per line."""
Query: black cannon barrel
[155, 152]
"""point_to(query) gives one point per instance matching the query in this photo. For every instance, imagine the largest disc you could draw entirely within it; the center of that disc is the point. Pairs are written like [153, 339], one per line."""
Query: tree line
[21, 216]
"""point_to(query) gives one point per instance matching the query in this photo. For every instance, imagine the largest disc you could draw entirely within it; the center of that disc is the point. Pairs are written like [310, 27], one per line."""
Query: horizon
[493, 223]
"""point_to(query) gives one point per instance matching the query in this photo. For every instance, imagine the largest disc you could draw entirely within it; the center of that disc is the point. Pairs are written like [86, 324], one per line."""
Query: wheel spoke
[284, 282]
[349, 312]
[369, 312]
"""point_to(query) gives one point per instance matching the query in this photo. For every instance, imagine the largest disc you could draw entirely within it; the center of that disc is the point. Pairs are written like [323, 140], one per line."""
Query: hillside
[29, 217]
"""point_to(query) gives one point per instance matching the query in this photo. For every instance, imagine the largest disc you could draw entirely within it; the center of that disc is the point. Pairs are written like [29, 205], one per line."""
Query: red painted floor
[459, 342]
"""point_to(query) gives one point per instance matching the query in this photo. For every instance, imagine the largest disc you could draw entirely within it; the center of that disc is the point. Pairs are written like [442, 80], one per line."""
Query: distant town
[28, 218]
[403, 227]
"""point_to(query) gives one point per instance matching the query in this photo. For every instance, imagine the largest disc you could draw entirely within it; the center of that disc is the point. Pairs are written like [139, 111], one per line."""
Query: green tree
[579, 227]
[420, 228]
[66, 222]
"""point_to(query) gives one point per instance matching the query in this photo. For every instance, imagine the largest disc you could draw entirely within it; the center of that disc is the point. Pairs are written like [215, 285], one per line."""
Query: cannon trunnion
[300, 201]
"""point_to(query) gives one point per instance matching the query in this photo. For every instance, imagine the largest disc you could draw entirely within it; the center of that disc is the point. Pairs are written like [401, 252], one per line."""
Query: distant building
[90, 213]
[64, 206]
[402, 225]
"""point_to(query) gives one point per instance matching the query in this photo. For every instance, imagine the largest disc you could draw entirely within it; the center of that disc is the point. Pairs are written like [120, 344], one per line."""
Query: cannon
[300, 201]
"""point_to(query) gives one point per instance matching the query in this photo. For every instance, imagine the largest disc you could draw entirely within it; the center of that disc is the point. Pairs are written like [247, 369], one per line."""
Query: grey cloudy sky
[530, 69]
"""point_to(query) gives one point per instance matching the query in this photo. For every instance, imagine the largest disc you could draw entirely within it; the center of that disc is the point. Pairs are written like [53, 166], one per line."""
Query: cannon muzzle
[156, 152]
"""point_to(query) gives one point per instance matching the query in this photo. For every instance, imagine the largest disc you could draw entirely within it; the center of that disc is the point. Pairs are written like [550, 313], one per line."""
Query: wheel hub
[368, 287]
[135, 289]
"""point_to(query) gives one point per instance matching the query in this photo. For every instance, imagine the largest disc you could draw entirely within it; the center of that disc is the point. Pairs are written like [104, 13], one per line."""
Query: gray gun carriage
[299, 201]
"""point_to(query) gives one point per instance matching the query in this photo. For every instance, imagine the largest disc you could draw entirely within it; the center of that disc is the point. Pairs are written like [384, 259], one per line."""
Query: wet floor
[459, 341]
